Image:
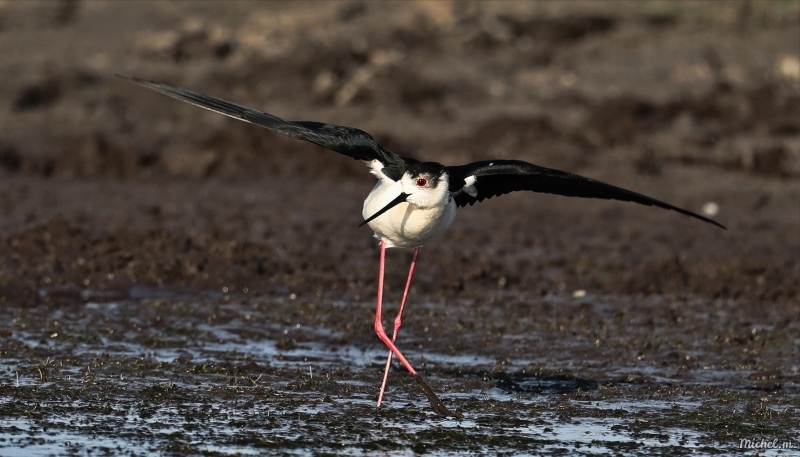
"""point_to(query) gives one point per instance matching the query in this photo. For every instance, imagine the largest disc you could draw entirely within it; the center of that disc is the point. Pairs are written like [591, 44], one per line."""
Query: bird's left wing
[348, 141]
[478, 181]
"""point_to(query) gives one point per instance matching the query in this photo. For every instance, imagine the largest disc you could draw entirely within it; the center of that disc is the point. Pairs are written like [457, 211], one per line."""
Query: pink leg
[378, 324]
[397, 322]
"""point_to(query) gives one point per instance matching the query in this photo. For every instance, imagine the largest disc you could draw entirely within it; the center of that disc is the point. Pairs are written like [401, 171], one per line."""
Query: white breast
[405, 225]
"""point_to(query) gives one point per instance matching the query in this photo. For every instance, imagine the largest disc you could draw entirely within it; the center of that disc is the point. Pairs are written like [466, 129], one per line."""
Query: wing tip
[698, 217]
[141, 82]
[132, 79]
[712, 221]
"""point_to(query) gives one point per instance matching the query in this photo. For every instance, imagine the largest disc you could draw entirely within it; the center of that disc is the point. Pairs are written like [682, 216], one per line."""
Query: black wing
[498, 177]
[349, 141]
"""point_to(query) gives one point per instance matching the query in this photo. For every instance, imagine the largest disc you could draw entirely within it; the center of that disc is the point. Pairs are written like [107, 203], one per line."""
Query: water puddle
[166, 375]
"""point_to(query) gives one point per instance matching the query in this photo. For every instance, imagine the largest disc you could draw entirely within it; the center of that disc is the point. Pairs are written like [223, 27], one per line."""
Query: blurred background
[176, 281]
[694, 103]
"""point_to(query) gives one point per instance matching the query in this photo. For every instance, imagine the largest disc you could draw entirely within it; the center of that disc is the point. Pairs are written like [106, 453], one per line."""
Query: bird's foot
[438, 407]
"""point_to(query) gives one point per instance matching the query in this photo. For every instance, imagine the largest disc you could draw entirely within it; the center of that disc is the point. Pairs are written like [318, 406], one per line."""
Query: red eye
[421, 182]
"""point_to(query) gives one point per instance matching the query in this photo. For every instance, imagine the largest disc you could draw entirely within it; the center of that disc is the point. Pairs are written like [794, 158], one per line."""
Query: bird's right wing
[478, 181]
[348, 141]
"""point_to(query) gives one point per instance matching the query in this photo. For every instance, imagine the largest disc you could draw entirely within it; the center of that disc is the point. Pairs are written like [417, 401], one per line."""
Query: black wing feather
[498, 177]
[348, 141]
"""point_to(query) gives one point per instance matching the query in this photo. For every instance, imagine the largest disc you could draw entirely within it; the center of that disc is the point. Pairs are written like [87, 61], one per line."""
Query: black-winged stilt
[413, 202]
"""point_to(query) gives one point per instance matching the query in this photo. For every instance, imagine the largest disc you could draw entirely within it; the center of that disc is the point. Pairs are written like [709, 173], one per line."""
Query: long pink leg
[397, 322]
[378, 324]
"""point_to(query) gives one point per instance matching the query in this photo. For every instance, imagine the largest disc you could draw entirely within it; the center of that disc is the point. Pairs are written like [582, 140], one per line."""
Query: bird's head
[424, 185]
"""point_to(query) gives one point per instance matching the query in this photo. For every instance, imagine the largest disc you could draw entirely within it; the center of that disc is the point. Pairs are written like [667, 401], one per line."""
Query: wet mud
[173, 282]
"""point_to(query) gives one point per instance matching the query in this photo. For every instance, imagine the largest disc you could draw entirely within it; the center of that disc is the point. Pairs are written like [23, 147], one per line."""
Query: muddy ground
[176, 282]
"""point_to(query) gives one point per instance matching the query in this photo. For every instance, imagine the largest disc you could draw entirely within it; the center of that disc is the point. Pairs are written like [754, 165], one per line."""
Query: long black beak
[400, 199]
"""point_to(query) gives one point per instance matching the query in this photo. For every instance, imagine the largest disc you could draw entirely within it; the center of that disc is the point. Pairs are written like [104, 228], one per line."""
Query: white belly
[405, 225]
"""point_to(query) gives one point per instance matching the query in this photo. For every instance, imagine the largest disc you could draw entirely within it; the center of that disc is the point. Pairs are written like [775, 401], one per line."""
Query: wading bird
[413, 202]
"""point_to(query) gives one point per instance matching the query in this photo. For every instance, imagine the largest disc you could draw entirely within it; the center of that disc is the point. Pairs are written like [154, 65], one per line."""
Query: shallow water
[175, 283]
[221, 376]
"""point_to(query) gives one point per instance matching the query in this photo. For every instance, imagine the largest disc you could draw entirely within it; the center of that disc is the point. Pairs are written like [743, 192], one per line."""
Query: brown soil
[107, 189]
